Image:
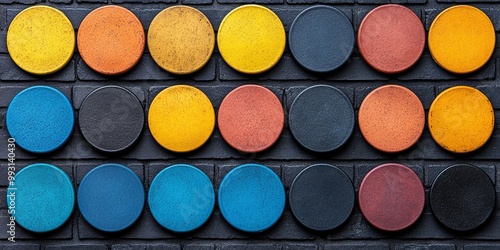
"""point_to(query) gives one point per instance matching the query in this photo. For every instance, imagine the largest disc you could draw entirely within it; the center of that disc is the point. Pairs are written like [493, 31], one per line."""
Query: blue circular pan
[44, 197]
[111, 197]
[251, 198]
[181, 198]
[40, 118]
[321, 38]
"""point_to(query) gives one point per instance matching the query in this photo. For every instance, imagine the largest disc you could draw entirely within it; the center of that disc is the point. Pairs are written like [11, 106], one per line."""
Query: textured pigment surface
[286, 157]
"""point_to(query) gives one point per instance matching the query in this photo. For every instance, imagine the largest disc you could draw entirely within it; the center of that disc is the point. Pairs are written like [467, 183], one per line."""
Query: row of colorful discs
[251, 197]
[250, 118]
[251, 39]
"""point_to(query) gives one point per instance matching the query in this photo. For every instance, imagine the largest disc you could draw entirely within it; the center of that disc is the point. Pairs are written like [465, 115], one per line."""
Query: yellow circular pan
[181, 39]
[41, 40]
[461, 39]
[251, 39]
[461, 119]
[181, 118]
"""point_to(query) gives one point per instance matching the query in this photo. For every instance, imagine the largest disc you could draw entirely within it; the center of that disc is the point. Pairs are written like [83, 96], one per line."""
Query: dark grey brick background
[286, 157]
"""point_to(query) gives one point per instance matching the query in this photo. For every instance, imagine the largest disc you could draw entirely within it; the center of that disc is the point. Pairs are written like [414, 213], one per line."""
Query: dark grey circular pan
[462, 197]
[321, 118]
[322, 197]
[321, 38]
[111, 118]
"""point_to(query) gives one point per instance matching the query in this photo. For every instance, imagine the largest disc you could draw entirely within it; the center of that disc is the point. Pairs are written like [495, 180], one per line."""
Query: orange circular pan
[391, 118]
[251, 118]
[111, 40]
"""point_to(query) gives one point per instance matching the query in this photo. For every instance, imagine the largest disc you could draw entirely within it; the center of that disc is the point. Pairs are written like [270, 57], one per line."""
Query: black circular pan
[111, 118]
[321, 38]
[321, 118]
[462, 197]
[322, 197]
